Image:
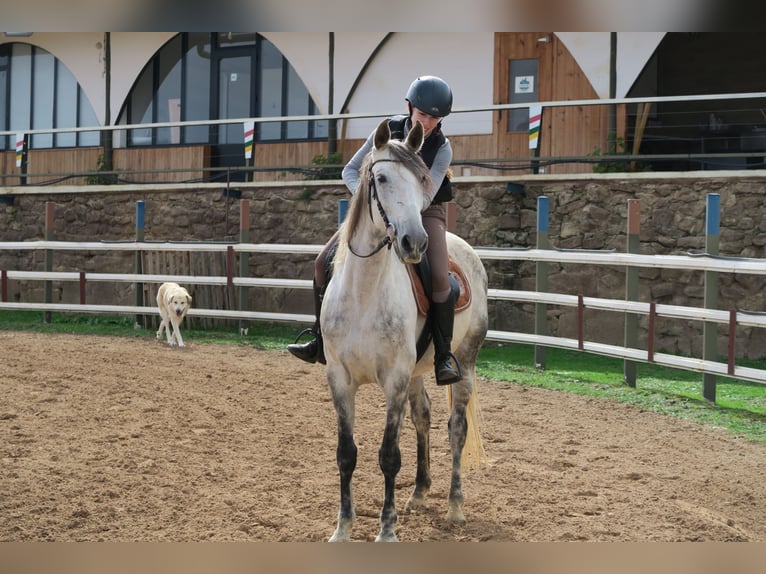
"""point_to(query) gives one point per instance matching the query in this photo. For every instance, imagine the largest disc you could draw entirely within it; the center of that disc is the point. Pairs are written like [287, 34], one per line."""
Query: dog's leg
[177, 331]
[169, 332]
[162, 326]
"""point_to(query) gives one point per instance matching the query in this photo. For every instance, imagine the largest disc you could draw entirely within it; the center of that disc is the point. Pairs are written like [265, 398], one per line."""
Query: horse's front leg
[343, 398]
[458, 428]
[390, 456]
[420, 414]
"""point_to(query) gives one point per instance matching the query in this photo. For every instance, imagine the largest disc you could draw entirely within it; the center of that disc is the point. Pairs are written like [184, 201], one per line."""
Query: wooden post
[541, 279]
[49, 236]
[244, 237]
[631, 289]
[709, 328]
[139, 287]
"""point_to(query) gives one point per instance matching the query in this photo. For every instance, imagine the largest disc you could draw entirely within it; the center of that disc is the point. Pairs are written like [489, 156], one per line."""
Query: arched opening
[37, 92]
[695, 63]
[199, 76]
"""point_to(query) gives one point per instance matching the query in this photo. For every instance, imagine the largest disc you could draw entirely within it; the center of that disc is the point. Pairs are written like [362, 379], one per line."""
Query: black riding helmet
[431, 95]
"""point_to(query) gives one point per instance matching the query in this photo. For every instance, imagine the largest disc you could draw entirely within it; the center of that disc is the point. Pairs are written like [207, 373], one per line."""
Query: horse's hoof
[342, 530]
[337, 537]
[415, 503]
[455, 515]
[386, 537]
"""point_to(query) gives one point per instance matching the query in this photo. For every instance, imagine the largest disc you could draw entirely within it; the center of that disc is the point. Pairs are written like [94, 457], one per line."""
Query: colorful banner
[535, 115]
[249, 133]
[19, 149]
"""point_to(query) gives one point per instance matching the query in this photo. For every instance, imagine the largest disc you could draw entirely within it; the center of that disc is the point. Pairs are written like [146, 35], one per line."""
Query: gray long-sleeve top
[439, 167]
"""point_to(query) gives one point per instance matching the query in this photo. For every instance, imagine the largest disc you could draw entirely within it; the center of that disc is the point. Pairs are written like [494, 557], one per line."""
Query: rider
[429, 99]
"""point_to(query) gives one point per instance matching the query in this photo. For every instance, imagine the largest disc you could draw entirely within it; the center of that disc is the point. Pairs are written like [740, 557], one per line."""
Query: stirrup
[458, 373]
[310, 331]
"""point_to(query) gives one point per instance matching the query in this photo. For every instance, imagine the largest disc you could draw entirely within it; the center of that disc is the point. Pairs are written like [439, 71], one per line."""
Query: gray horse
[371, 325]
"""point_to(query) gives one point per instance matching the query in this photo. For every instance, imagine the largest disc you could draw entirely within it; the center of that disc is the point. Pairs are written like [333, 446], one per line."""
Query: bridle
[372, 194]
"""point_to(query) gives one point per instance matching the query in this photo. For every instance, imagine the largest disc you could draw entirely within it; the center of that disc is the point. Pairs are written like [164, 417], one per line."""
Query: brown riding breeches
[435, 222]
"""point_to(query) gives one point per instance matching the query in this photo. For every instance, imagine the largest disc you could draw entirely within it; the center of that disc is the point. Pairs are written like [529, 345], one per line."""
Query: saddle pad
[464, 297]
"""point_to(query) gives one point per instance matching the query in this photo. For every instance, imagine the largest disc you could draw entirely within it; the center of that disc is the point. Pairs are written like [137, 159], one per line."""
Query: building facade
[59, 81]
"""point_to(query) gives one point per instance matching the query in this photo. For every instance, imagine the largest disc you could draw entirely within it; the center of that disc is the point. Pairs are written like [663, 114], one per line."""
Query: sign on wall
[524, 85]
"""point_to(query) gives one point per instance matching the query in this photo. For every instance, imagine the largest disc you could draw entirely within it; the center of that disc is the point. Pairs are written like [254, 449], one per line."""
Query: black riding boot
[312, 351]
[443, 318]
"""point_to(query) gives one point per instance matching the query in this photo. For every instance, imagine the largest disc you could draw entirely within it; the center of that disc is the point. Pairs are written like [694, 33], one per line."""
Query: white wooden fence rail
[698, 263]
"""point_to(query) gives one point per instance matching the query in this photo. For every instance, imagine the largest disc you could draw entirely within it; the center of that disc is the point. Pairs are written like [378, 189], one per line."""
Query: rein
[372, 192]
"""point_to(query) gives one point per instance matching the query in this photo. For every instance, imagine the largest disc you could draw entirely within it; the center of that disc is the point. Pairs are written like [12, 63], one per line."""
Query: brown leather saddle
[422, 300]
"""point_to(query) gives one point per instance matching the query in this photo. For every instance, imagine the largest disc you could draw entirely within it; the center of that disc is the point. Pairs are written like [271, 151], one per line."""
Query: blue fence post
[139, 287]
[710, 329]
[541, 279]
[342, 210]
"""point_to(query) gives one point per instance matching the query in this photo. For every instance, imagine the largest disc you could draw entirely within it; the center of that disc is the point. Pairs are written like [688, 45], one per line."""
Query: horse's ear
[415, 136]
[382, 134]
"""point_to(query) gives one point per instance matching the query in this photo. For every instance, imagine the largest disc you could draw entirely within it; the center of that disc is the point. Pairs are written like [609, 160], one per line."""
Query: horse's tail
[474, 455]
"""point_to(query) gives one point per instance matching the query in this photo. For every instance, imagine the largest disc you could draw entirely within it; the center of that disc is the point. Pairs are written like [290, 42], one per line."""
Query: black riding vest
[428, 151]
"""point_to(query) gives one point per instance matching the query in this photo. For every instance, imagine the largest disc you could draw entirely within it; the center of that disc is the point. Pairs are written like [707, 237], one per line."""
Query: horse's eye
[382, 178]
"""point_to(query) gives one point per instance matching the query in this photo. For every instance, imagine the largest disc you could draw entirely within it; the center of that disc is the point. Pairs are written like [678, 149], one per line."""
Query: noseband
[372, 193]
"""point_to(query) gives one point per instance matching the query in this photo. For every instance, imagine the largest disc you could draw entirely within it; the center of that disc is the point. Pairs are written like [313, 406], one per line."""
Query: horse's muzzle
[411, 248]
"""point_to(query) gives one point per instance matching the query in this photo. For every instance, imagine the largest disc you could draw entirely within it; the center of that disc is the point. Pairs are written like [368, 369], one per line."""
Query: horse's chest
[384, 320]
[381, 322]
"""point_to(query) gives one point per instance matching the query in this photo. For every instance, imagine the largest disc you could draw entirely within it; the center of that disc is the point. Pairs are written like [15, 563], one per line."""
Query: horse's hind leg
[458, 428]
[346, 457]
[420, 414]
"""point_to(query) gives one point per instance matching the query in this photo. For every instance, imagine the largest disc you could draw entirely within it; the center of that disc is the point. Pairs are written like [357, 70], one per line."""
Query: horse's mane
[360, 200]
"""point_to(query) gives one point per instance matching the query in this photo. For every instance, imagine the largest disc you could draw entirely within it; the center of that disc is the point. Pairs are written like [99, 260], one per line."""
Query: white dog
[173, 302]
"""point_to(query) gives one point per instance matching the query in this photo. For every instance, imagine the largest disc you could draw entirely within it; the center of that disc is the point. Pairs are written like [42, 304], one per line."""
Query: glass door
[234, 96]
[231, 98]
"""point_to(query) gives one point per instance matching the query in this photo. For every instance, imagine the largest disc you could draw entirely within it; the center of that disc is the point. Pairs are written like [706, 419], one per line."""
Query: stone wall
[586, 212]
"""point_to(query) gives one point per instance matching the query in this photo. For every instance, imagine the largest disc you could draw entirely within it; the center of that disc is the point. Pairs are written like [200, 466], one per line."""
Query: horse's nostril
[406, 244]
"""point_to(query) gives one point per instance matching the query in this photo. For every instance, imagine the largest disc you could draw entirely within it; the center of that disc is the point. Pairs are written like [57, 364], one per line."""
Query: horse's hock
[584, 214]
